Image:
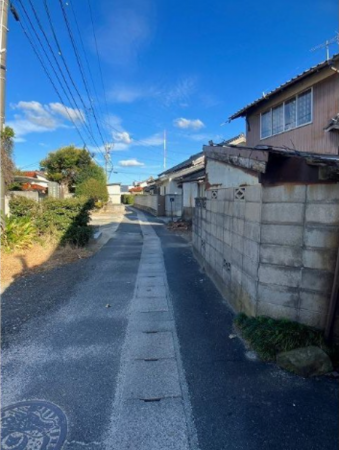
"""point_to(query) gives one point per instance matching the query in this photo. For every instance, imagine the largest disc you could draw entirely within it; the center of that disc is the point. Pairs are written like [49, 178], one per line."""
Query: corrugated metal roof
[293, 80]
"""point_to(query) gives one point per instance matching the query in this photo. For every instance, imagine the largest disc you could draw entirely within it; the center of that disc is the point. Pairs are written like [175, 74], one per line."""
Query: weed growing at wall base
[268, 336]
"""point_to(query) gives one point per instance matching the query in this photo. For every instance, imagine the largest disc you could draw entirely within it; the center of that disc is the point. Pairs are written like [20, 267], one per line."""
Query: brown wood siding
[312, 137]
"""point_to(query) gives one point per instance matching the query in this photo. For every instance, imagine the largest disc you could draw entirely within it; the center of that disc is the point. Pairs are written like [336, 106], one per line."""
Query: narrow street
[133, 346]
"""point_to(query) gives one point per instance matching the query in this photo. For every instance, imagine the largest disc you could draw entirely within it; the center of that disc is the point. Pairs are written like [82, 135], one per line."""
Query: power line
[50, 78]
[55, 59]
[80, 66]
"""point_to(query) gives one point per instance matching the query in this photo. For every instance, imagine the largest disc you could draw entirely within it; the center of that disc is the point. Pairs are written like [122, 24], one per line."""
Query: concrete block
[281, 276]
[208, 204]
[252, 231]
[213, 230]
[317, 280]
[278, 295]
[213, 218]
[321, 237]
[250, 267]
[228, 237]
[228, 220]
[312, 318]
[236, 275]
[253, 212]
[320, 259]
[281, 255]
[227, 252]
[220, 233]
[283, 213]
[228, 207]
[284, 193]
[251, 250]
[253, 193]
[322, 213]
[282, 234]
[215, 205]
[313, 301]
[238, 243]
[249, 285]
[238, 226]
[229, 194]
[236, 258]
[220, 220]
[323, 193]
[239, 209]
[276, 311]
[208, 194]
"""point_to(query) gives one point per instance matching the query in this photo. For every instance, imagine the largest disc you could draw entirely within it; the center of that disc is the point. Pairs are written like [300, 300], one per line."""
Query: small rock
[108, 305]
[306, 362]
[232, 336]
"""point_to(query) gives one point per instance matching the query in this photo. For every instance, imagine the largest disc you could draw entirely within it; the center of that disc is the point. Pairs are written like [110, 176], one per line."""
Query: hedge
[67, 220]
[127, 199]
[93, 189]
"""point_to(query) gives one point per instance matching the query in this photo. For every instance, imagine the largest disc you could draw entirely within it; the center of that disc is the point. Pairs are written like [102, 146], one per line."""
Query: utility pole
[165, 149]
[3, 53]
[108, 160]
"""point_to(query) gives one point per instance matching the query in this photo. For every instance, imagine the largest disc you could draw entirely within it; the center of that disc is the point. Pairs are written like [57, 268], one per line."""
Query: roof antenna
[326, 45]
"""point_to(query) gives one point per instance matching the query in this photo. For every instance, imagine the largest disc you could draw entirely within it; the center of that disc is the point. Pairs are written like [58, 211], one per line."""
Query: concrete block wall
[272, 250]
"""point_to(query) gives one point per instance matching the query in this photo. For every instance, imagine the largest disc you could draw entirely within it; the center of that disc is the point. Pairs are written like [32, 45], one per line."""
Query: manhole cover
[33, 425]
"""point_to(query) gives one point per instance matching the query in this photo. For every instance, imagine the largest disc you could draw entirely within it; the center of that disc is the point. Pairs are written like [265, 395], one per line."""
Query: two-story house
[302, 113]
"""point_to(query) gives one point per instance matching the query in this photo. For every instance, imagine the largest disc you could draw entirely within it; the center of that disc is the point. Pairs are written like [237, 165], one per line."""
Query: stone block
[227, 252]
[253, 193]
[220, 220]
[213, 218]
[283, 213]
[282, 234]
[320, 259]
[278, 295]
[251, 250]
[305, 362]
[276, 311]
[312, 318]
[323, 193]
[253, 212]
[252, 231]
[321, 237]
[281, 255]
[281, 276]
[322, 213]
[285, 193]
[250, 267]
[238, 226]
[220, 233]
[312, 301]
[239, 209]
[317, 280]
[236, 275]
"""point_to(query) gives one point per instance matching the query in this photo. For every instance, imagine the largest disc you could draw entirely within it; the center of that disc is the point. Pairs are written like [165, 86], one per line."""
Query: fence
[271, 250]
[155, 204]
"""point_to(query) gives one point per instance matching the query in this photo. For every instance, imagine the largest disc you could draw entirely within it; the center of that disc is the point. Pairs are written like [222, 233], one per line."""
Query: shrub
[18, 233]
[93, 189]
[23, 207]
[127, 199]
[270, 336]
[67, 219]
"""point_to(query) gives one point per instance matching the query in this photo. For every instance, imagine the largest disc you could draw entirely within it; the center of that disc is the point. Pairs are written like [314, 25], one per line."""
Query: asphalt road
[133, 346]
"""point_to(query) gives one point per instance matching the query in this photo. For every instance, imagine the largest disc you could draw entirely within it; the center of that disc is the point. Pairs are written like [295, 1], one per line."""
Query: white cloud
[123, 137]
[124, 94]
[131, 163]
[35, 117]
[68, 113]
[154, 141]
[183, 123]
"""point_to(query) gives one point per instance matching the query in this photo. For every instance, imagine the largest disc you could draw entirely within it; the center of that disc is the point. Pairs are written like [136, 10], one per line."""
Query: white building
[114, 193]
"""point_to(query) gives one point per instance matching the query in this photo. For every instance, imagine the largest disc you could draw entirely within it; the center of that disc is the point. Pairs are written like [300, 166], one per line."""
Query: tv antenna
[326, 45]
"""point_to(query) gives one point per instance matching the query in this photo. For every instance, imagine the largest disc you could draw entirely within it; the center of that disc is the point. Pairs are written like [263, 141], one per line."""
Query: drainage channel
[151, 408]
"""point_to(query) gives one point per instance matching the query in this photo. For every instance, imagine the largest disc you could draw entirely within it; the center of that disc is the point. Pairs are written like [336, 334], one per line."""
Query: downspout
[333, 302]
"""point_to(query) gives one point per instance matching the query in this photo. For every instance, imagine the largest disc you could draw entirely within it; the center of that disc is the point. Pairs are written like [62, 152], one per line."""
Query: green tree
[92, 189]
[93, 171]
[65, 165]
[7, 145]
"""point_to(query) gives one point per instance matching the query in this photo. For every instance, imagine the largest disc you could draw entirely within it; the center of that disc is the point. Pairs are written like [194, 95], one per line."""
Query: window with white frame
[293, 113]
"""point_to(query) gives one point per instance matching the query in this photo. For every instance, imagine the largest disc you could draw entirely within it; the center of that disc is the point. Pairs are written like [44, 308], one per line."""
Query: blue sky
[184, 66]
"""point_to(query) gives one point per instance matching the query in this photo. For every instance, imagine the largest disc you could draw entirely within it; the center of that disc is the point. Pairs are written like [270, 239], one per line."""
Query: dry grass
[38, 258]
